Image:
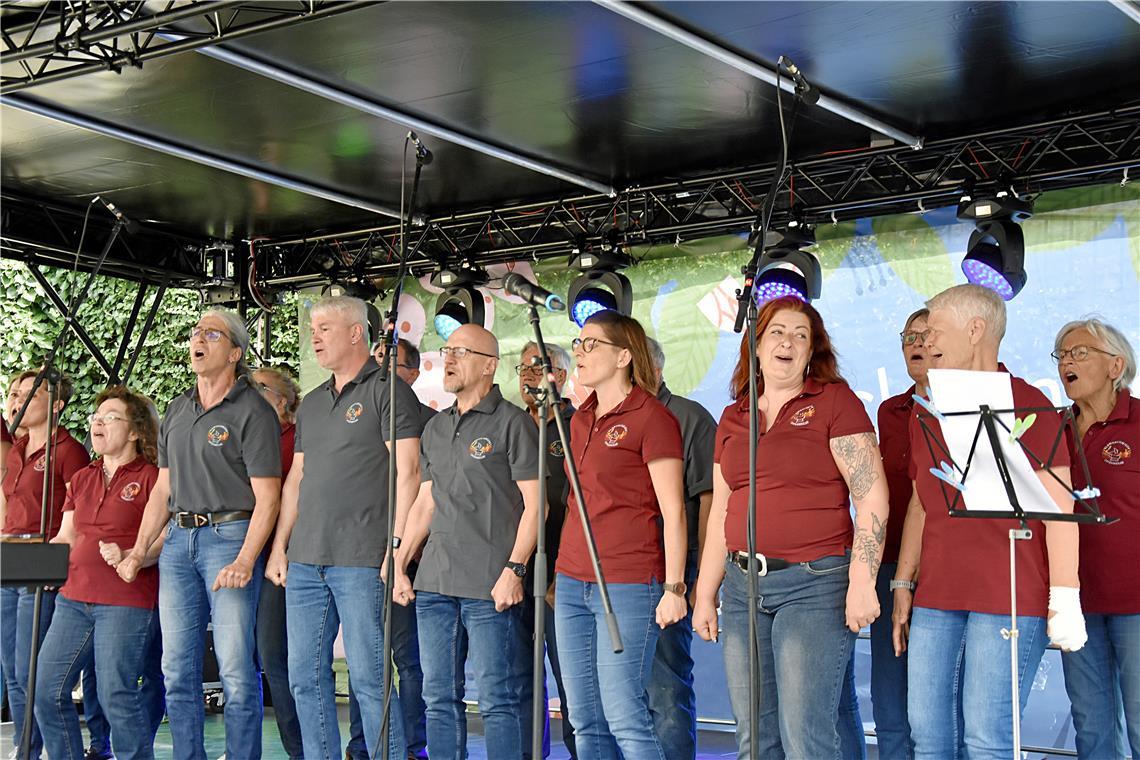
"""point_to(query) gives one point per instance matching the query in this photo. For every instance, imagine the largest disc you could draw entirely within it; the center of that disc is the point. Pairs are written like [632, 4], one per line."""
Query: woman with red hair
[817, 571]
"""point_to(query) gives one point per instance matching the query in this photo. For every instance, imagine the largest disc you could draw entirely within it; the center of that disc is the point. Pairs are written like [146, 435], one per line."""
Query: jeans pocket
[828, 565]
[231, 531]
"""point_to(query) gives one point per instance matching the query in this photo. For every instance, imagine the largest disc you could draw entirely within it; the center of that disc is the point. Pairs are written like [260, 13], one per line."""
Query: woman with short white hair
[1097, 365]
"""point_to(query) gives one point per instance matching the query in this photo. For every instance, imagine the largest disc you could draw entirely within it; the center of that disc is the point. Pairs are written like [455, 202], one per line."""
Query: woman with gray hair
[216, 498]
[1097, 366]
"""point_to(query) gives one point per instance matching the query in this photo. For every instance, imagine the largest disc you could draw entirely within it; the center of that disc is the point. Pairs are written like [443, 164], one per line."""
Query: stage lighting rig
[460, 302]
[601, 286]
[995, 253]
[785, 269]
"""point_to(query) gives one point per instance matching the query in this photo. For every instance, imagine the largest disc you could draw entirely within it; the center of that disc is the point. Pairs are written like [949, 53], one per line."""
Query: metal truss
[66, 40]
[1078, 150]
[40, 233]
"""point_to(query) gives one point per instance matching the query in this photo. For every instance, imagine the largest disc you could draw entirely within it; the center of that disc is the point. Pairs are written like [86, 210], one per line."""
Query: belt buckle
[201, 521]
[762, 570]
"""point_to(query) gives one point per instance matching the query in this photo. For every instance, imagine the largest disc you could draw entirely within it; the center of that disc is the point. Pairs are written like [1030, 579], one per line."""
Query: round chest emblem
[352, 414]
[803, 416]
[130, 491]
[1116, 453]
[39, 464]
[615, 435]
[480, 448]
[217, 435]
[555, 449]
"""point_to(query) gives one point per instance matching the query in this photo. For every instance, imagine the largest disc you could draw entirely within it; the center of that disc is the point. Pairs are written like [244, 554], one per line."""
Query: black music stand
[989, 422]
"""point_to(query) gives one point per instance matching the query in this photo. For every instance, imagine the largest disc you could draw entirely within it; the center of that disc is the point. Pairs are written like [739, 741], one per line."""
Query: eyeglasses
[105, 419]
[589, 344]
[910, 337]
[460, 351]
[209, 333]
[528, 369]
[1079, 353]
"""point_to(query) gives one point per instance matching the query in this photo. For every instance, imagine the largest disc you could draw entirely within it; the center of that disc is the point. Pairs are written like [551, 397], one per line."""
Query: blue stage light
[445, 325]
[589, 302]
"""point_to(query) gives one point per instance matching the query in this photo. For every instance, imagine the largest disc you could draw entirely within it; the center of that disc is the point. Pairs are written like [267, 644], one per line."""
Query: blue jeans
[672, 698]
[852, 740]
[608, 703]
[93, 715]
[958, 685]
[804, 656]
[115, 640]
[524, 678]
[491, 638]
[1111, 654]
[273, 654]
[16, 607]
[888, 678]
[406, 654]
[190, 561]
[320, 599]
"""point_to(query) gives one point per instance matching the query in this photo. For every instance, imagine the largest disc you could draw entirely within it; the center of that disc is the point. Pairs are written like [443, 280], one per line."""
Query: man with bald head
[477, 509]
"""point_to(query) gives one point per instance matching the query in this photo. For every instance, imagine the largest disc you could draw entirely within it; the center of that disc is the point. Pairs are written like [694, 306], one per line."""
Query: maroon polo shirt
[1110, 573]
[23, 485]
[965, 560]
[288, 429]
[802, 510]
[111, 514]
[613, 453]
[894, 445]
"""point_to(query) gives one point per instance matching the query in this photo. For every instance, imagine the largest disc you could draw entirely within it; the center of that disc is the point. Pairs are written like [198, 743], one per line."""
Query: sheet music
[959, 390]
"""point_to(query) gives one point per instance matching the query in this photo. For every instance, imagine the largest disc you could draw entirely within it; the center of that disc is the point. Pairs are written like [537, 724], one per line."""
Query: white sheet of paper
[959, 390]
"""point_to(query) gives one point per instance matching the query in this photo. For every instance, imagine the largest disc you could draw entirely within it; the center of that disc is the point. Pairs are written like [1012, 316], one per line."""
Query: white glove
[1067, 626]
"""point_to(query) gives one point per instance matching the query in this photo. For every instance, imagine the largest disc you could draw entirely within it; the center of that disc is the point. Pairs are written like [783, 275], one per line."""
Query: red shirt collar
[21, 444]
[812, 387]
[635, 400]
[1119, 409]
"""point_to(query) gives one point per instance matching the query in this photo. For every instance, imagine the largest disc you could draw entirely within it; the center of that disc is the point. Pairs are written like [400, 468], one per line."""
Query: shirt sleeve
[722, 432]
[662, 438]
[69, 500]
[74, 458]
[261, 442]
[914, 433]
[163, 431]
[1045, 432]
[425, 462]
[409, 424]
[699, 453]
[522, 451]
[848, 415]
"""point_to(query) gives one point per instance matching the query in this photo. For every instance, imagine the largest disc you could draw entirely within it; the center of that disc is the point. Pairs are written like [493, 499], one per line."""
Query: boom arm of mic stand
[555, 400]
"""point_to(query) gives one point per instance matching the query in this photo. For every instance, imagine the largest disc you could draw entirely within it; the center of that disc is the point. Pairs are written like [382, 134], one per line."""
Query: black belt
[195, 520]
[764, 564]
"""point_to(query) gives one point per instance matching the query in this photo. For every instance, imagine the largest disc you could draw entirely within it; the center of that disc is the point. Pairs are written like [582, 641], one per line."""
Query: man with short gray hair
[672, 699]
[331, 539]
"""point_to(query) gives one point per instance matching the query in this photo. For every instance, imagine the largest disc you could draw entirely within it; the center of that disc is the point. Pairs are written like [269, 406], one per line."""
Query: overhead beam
[170, 148]
[707, 47]
[308, 83]
[1131, 10]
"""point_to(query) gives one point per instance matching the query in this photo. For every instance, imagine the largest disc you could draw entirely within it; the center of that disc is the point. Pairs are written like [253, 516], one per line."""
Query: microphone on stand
[808, 94]
[517, 285]
[131, 227]
[423, 155]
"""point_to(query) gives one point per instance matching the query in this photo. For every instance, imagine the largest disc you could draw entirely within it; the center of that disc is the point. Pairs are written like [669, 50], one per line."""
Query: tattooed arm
[857, 457]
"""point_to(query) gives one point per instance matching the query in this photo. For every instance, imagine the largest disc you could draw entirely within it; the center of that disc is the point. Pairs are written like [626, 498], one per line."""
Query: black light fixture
[785, 269]
[995, 253]
[601, 286]
[460, 303]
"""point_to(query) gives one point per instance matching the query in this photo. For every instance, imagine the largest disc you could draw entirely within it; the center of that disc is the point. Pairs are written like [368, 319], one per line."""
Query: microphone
[422, 153]
[808, 94]
[131, 227]
[517, 285]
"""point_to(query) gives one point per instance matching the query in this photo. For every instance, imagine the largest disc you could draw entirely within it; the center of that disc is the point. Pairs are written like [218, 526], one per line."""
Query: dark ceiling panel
[47, 159]
[946, 67]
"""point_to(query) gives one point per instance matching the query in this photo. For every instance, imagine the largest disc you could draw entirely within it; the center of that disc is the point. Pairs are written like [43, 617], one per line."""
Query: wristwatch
[896, 585]
[518, 568]
[679, 588]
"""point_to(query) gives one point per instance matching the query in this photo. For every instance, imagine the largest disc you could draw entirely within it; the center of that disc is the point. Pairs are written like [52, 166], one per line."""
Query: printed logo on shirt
[555, 449]
[352, 414]
[803, 416]
[131, 490]
[1116, 453]
[40, 463]
[217, 435]
[615, 435]
[480, 448]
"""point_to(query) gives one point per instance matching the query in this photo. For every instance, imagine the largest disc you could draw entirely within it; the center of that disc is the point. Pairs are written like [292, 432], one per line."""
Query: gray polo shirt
[698, 436]
[473, 461]
[212, 453]
[342, 516]
[426, 413]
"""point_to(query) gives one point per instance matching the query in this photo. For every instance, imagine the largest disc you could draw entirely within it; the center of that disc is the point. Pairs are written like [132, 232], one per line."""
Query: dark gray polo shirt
[212, 453]
[473, 462]
[557, 483]
[342, 516]
[426, 413]
[698, 437]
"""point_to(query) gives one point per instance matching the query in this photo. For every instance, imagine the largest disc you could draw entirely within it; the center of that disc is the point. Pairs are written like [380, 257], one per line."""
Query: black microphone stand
[387, 374]
[749, 313]
[552, 399]
[49, 373]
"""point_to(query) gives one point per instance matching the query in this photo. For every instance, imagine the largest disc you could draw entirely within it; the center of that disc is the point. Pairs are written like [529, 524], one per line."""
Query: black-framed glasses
[460, 351]
[528, 369]
[910, 337]
[1079, 353]
[210, 334]
[588, 344]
